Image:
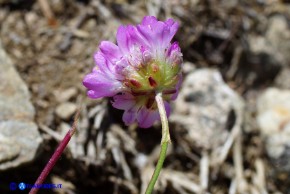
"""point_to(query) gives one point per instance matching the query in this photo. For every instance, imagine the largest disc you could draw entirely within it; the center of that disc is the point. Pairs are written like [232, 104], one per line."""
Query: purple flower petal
[104, 65]
[129, 116]
[172, 28]
[173, 48]
[149, 20]
[110, 51]
[123, 39]
[147, 117]
[124, 101]
[174, 55]
[158, 34]
[136, 37]
[167, 108]
[100, 85]
[107, 65]
[129, 37]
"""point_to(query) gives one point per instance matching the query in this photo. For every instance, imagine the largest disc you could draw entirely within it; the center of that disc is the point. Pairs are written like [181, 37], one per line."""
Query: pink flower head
[143, 63]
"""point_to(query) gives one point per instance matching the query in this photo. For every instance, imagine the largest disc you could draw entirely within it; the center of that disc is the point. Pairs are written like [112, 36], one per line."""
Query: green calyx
[153, 77]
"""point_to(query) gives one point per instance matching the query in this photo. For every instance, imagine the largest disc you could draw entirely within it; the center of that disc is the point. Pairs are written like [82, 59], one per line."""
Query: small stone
[188, 67]
[141, 160]
[65, 110]
[274, 121]
[65, 95]
[283, 79]
[273, 111]
[278, 35]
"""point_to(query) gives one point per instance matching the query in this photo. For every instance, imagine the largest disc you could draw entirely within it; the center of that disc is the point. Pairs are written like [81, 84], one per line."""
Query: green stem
[164, 142]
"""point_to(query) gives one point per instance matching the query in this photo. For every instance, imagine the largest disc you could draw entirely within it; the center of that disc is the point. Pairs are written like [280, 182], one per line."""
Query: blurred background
[230, 125]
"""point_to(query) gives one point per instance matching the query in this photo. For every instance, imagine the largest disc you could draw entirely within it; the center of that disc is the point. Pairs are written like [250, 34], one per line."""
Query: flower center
[145, 80]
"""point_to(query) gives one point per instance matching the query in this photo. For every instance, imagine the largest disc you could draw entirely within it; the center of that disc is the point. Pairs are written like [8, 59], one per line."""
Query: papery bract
[143, 62]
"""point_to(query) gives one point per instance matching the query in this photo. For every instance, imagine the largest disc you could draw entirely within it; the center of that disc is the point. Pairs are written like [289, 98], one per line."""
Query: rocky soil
[230, 125]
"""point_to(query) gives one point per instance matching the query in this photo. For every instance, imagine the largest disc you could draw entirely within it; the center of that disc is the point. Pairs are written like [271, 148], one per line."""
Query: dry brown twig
[259, 179]
[234, 63]
[242, 185]
[220, 155]
[204, 171]
[181, 180]
[51, 132]
[46, 10]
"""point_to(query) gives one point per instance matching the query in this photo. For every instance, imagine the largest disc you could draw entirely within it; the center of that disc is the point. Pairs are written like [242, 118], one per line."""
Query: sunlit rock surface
[19, 137]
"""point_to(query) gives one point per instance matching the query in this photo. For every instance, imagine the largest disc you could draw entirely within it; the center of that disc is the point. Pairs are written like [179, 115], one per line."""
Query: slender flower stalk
[56, 155]
[164, 143]
[164, 120]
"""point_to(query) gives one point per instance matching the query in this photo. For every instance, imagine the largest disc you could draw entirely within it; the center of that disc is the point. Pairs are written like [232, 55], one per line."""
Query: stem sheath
[164, 142]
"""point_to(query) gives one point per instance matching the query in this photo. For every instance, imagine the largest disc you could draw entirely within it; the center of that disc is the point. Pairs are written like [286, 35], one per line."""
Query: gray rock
[19, 137]
[205, 108]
